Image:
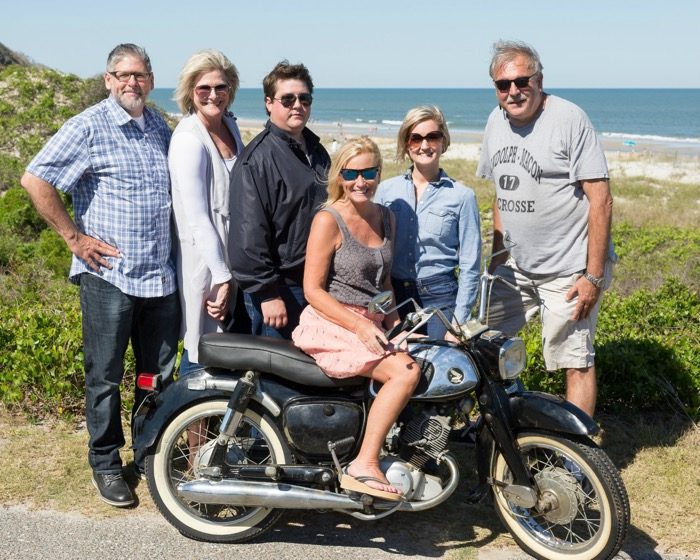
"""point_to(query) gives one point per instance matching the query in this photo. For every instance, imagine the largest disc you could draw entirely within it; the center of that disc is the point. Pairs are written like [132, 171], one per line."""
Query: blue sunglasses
[352, 174]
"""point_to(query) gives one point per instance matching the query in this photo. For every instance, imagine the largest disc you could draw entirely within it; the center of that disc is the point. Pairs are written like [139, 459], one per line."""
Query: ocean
[668, 116]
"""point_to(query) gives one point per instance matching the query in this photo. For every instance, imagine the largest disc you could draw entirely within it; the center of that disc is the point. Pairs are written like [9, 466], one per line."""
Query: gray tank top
[357, 272]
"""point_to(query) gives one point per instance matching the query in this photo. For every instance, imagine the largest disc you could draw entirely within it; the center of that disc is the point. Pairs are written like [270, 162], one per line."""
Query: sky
[373, 43]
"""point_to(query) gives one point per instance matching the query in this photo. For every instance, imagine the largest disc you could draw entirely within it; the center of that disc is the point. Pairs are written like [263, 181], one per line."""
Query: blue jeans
[186, 366]
[435, 291]
[111, 319]
[293, 297]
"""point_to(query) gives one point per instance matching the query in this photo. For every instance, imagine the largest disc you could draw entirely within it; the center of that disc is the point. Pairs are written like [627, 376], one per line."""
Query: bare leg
[581, 388]
[399, 375]
[196, 437]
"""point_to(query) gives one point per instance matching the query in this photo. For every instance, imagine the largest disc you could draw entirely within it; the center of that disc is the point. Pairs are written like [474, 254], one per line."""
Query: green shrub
[41, 358]
[651, 254]
[18, 214]
[11, 169]
[647, 351]
[41, 362]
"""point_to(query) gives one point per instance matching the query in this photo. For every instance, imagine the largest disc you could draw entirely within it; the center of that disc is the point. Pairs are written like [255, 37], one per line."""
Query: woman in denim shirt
[438, 238]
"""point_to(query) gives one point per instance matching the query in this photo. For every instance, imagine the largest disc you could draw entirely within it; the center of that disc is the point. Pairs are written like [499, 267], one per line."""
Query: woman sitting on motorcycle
[348, 261]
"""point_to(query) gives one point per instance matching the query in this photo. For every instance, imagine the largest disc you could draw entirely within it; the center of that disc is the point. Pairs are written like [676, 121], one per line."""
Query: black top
[275, 193]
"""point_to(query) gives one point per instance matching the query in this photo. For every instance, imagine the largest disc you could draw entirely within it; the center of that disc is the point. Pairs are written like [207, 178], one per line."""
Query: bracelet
[597, 282]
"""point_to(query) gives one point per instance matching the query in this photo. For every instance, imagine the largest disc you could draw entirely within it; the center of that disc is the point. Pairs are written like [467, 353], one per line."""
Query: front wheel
[185, 445]
[582, 512]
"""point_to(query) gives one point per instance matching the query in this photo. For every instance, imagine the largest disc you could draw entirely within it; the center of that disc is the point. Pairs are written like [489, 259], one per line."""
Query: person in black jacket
[278, 184]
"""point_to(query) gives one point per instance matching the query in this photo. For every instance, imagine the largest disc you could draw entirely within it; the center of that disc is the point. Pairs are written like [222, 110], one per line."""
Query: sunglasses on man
[289, 99]
[520, 82]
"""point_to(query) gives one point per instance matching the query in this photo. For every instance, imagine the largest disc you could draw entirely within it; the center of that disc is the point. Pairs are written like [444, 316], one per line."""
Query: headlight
[512, 358]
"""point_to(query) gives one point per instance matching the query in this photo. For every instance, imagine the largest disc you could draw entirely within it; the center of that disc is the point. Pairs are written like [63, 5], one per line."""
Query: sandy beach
[655, 160]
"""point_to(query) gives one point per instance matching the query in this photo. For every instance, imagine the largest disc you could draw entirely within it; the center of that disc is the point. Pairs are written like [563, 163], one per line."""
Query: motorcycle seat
[269, 355]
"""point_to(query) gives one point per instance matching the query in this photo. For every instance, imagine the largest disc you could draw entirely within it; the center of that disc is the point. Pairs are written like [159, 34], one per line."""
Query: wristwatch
[597, 282]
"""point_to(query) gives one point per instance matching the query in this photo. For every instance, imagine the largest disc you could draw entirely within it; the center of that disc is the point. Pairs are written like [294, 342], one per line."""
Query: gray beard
[131, 105]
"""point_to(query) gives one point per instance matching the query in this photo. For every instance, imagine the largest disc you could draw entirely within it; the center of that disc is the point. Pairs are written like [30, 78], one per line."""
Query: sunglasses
[368, 174]
[431, 138]
[520, 83]
[289, 99]
[205, 91]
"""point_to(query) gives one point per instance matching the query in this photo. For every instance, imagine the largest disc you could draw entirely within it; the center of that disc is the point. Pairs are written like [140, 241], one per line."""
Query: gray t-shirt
[357, 272]
[537, 171]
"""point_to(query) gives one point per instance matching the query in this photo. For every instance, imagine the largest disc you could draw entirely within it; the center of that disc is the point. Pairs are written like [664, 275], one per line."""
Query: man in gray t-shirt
[553, 207]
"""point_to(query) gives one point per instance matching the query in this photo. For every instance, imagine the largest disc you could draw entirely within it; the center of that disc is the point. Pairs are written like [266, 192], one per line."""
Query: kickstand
[340, 443]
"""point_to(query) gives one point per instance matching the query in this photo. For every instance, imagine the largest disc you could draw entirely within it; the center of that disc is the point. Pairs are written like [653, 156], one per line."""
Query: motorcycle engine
[424, 437]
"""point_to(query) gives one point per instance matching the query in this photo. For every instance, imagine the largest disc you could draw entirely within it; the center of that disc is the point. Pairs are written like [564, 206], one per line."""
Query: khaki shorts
[565, 343]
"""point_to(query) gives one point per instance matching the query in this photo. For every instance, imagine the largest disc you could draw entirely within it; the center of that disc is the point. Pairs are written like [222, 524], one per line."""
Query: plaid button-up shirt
[118, 178]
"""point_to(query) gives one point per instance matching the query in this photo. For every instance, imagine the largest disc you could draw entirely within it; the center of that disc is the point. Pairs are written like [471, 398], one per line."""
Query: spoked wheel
[185, 446]
[582, 512]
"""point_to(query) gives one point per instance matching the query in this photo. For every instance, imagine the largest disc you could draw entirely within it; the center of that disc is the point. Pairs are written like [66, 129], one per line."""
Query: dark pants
[110, 319]
[293, 297]
[436, 291]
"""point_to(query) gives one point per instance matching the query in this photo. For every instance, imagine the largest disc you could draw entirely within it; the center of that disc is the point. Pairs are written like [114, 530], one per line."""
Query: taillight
[148, 381]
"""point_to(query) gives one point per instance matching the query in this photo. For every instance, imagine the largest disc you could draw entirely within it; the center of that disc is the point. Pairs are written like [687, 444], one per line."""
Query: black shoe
[113, 489]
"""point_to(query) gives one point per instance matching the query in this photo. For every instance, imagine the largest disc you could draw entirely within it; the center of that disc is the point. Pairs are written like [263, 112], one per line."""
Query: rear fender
[185, 392]
[542, 411]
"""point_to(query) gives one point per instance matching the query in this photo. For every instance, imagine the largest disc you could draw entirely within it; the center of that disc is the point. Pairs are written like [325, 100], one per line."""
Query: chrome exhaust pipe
[263, 494]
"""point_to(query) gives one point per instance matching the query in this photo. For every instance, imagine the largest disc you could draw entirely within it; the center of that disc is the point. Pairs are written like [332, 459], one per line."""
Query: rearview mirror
[381, 303]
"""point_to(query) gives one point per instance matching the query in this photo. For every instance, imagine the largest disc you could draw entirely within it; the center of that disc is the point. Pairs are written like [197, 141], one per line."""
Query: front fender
[169, 402]
[542, 411]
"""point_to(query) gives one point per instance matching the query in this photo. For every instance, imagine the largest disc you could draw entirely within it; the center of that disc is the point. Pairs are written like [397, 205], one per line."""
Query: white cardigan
[201, 186]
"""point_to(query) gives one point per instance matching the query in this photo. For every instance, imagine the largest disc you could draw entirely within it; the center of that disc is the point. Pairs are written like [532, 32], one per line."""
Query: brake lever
[396, 329]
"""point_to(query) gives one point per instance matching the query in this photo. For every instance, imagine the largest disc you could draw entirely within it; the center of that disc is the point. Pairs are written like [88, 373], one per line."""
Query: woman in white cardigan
[203, 149]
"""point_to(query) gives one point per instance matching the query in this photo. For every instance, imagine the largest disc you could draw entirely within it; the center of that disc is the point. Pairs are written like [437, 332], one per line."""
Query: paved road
[27, 534]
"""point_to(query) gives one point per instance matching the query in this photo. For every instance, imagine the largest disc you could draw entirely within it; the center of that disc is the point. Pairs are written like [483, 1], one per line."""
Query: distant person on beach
[552, 213]
[203, 149]
[112, 160]
[348, 261]
[278, 185]
[437, 224]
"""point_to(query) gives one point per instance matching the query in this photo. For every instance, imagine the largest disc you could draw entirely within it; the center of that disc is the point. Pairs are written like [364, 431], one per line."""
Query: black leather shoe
[113, 489]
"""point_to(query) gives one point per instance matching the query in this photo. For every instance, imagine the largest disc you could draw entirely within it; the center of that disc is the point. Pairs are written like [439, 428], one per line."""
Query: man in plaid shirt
[112, 160]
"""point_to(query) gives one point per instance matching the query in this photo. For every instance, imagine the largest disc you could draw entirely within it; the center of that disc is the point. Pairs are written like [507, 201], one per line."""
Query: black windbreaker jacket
[275, 193]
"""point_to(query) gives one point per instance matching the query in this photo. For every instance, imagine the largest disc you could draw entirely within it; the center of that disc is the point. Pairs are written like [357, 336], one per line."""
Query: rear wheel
[583, 511]
[185, 445]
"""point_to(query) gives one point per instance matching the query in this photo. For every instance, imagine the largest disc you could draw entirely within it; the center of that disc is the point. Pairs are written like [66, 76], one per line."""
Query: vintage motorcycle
[262, 429]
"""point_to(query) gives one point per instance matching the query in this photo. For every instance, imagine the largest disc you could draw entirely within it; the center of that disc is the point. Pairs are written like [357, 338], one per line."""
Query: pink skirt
[337, 351]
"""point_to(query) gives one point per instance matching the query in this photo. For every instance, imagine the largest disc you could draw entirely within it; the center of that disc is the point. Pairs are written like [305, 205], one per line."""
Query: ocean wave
[651, 138]
[392, 123]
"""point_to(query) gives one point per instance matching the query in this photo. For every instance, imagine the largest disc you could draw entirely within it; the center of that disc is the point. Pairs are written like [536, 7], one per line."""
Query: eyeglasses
[520, 83]
[124, 77]
[431, 138]
[289, 99]
[368, 174]
[205, 91]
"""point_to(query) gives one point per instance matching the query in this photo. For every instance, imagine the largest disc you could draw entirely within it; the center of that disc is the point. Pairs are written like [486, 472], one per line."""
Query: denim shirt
[436, 235]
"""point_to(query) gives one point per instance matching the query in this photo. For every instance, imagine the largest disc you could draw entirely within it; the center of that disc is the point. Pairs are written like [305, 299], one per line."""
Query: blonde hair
[416, 116]
[352, 148]
[200, 62]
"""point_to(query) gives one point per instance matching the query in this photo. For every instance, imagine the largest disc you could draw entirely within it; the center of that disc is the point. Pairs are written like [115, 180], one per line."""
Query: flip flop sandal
[357, 484]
